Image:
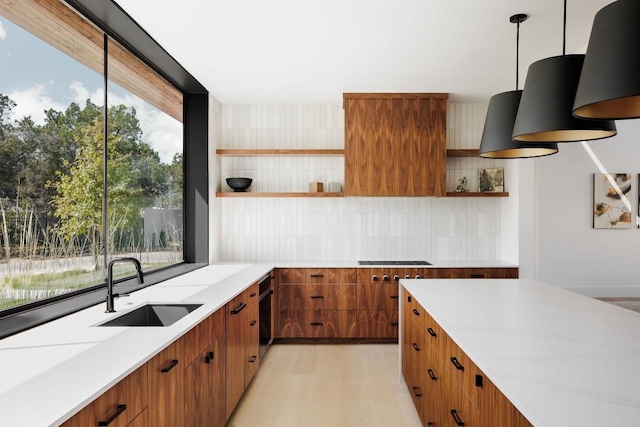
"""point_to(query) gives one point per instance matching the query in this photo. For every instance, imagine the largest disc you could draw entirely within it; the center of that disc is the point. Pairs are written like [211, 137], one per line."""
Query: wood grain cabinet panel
[317, 297]
[166, 387]
[447, 387]
[395, 144]
[377, 324]
[477, 273]
[318, 324]
[378, 297]
[119, 405]
[316, 275]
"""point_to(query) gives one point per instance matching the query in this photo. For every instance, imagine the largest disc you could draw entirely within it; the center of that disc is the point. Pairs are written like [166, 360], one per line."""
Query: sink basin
[153, 315]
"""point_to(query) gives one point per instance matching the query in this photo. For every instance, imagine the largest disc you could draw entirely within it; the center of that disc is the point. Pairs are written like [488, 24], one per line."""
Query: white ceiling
[286, 51]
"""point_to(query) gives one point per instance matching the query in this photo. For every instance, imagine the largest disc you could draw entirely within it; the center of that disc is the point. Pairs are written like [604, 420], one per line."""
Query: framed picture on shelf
[611, 205]
[491, 180]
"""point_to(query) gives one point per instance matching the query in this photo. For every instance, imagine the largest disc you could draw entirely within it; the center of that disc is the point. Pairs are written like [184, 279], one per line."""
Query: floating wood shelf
[476, 194]
[281, 152]
[463, 152]
[251, 194]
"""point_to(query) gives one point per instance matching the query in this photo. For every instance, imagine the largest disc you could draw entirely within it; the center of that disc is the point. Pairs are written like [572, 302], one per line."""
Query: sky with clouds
[36, 87]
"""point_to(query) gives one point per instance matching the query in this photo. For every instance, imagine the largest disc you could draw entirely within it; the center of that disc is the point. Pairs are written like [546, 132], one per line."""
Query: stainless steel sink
[153, 315]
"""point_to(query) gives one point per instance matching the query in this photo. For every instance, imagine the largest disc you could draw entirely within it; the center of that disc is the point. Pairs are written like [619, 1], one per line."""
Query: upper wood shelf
[462, 152]
[281, 152]
[476, 194]
[251, 194]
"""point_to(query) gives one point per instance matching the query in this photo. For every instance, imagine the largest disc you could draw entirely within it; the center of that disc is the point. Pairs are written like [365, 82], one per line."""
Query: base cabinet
[204, 384]
[117, 407]
[446, 386]
[242, 349]
[166, 387]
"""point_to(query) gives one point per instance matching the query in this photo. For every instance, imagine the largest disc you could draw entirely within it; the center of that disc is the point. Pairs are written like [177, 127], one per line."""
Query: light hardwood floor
[327, 386]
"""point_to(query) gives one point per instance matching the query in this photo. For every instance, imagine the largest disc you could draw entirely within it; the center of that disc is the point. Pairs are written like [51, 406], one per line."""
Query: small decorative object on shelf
[491, 180]
[334, 187]
[239, 184]
[316, 187]
[462, 186]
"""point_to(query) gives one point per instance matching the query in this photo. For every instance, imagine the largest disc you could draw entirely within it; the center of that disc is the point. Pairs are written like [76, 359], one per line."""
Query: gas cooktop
[393, 263]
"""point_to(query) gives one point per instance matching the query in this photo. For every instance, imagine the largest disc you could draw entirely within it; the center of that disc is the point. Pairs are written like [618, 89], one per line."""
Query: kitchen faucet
[110, 295]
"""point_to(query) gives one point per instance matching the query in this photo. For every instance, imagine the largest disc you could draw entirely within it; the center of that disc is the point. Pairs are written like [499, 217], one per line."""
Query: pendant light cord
[517, 52]
[564, 30]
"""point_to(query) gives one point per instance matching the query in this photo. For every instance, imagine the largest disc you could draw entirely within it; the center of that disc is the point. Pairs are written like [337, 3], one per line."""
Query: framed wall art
[611, 205]
[491, 180]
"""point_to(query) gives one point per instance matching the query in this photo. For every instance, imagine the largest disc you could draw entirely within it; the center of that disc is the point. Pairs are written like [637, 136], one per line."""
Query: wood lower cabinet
[395, 144]
[316, 303]
[117, 407]
[477, 273]
[204, 384]
[166, 387]
[242, 358]
[447, 388]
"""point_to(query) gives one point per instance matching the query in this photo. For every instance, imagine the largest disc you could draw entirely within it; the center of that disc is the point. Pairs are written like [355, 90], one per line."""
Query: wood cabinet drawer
[121, 404]
[202, 335]
[316, 275]
[415, 312]
[377, 323]
[378, 296]
[434, 333]
[317, 297]
[317, 323]
[477, 273]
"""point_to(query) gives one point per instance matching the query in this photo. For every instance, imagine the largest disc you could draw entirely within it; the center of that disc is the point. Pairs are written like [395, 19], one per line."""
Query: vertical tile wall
[258, 229]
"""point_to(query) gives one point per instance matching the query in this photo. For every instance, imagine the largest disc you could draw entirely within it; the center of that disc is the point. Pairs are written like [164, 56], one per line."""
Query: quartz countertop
[354, 264]
[561, 358]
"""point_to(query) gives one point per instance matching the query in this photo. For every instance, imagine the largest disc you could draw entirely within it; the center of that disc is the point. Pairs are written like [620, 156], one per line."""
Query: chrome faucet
[110, 295]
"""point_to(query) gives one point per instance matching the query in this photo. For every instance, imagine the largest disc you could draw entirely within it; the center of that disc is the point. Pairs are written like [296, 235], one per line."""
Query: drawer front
[202, 335]
[415, 312]
[378, 296]
[317, 324]
[477, 273]
[378, 324]
[435, 335]
[121, 403]
[317, 275]
[317, 297]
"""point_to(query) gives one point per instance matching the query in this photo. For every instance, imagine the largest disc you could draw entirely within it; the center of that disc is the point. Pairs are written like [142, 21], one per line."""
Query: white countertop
[561, 358]
[354, 264]
[50, 372]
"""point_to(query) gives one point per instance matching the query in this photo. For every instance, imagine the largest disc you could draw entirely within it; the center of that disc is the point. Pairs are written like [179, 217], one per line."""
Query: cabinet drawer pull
[394, 296]
[240, 308]
[416, 312]
[253, 322]
[317, 296]
[416, 392]
[209, 357]
[432, 332]
[456, 418]
[431, 374]
[317, 276]
[252, 359]
[170, 366]
[394, 323]
[479, 380]
[415, 347]
[119, 410]
[477, 276]
[457, 364]
[317, 324]
[253, 294]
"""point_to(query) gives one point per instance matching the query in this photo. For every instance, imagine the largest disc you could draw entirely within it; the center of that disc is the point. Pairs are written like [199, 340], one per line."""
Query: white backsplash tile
[258, 229]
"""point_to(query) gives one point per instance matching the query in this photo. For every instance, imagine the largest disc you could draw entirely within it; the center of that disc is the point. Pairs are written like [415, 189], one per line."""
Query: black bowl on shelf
[239, 184]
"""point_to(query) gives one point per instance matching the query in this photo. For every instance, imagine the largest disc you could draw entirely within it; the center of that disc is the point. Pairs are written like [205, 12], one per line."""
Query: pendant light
[609, 86]
[496, 140]
[546, 108]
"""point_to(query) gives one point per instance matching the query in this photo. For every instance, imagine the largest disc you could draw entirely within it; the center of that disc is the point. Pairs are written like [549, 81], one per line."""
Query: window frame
[118, 25]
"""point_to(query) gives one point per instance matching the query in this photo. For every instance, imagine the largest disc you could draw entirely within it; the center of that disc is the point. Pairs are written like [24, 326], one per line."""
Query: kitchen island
[560, 358]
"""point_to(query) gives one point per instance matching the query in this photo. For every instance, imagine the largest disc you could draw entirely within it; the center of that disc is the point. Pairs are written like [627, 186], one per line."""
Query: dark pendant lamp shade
[609, 86]
[496, 140]
[545, 113]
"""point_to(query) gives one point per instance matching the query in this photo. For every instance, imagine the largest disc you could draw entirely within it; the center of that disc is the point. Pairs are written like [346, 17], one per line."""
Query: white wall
[572, 254]
[253, 229]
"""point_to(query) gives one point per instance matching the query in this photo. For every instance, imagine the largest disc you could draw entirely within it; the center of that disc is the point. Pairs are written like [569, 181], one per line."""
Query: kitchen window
[56, 234]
